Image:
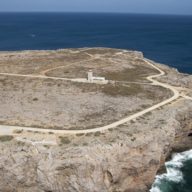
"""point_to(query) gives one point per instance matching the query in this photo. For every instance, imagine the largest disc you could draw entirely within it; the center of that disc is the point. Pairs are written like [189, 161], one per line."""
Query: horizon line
[102, 12]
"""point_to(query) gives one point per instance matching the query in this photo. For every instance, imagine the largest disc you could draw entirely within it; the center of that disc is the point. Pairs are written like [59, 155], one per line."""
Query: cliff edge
[59, 133]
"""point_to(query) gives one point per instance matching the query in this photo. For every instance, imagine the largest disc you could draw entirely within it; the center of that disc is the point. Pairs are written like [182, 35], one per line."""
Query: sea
[166, 39]
[178, 176]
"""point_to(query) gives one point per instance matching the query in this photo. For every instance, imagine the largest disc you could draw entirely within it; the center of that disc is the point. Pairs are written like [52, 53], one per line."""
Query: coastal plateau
[61, 133]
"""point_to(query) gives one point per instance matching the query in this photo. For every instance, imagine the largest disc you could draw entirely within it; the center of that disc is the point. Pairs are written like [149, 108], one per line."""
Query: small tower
[90, 76]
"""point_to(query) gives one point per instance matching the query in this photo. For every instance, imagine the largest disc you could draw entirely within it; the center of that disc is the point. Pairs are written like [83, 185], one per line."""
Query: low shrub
[97, 134]
[5, 138]
[18, 131]
[64, 140]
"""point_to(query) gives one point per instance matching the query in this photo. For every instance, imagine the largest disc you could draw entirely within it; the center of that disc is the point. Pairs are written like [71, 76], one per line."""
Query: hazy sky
[129, 6]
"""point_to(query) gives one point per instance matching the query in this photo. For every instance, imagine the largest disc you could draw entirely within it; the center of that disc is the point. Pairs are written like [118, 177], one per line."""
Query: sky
[183, 7]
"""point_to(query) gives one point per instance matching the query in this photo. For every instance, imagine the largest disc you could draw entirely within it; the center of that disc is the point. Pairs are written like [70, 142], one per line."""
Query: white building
[91, 78]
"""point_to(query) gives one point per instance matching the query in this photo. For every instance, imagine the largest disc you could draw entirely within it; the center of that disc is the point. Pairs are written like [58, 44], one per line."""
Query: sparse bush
[112, 140]
[97, 134]
[129, 134]
[80, 134]
[149, 113]
[18, 131]
[132, 121]
[89, 134]
[46, 146]
[64, 140]
[36, 132]
[133, 139]
[20, 143]
[144, 106]
[5, 138]
[85, 144]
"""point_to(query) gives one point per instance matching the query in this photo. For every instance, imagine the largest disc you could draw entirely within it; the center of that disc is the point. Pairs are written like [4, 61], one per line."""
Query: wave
[32, 35]
[173, 172]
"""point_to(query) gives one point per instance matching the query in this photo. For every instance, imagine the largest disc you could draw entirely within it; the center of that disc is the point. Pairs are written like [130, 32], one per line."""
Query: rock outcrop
[125, 159]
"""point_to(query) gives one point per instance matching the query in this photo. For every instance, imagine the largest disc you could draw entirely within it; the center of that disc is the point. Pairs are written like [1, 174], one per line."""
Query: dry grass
[133, 74]
[114, 90]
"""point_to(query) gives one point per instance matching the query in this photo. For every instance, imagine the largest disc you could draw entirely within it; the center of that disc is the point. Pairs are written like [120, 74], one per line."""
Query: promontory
[89, 120]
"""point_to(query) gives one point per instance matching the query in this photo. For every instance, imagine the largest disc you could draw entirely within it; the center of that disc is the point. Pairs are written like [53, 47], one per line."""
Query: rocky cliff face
[125, 159]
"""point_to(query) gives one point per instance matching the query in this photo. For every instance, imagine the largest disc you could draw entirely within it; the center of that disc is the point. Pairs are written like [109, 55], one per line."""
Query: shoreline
[126, 157]
[87, 48]
[173, 172]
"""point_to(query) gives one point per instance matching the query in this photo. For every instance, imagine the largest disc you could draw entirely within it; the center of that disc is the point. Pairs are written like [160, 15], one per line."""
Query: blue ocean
[164, 38]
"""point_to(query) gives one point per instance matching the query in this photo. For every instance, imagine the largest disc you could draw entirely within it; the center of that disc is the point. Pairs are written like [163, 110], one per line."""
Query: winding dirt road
[186, 97]
[176, 95]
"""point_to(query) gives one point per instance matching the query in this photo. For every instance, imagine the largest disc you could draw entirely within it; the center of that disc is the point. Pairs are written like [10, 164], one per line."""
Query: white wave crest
[173, 173]
[33, 35]
[155, 189]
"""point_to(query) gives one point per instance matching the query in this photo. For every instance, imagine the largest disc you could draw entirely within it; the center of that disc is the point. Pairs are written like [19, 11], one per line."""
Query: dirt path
[186, 97]
[176, 94]
[63, 66]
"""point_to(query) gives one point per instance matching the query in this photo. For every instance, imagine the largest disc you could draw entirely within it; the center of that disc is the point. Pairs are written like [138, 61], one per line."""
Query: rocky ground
[61, 104]
[175, 78]
[125, 159]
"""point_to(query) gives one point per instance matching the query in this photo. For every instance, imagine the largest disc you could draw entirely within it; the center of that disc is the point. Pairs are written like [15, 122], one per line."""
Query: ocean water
[178, 177]
[166, 39]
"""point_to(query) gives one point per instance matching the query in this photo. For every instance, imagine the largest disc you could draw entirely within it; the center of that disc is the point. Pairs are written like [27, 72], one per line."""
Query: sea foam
[173, 171]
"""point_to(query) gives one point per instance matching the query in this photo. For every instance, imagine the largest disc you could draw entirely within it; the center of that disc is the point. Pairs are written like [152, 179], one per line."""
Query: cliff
[123, 159]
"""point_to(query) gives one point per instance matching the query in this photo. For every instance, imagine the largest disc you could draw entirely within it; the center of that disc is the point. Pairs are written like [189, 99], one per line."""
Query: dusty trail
[9, 129]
